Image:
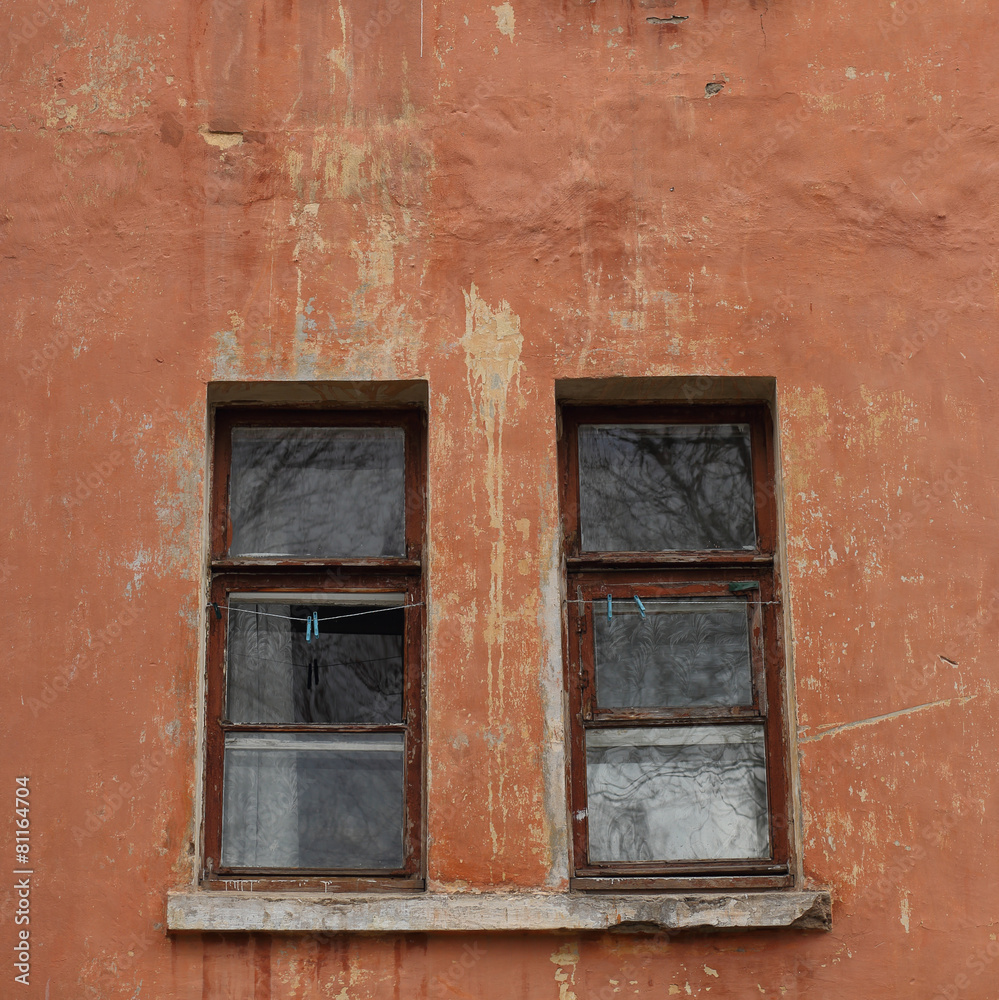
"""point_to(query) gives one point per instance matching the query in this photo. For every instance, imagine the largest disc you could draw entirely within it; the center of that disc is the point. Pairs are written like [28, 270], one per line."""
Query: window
[678, 758]
[313, 775]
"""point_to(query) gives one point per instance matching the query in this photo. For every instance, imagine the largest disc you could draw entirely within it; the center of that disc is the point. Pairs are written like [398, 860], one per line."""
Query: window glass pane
[658, 487]
[684, 793]
[304, 800]
[318, 491]
[683, 653]
[280, 672]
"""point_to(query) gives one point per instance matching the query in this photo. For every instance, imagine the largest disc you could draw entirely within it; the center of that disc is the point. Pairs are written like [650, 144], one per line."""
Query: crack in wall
[843, 726]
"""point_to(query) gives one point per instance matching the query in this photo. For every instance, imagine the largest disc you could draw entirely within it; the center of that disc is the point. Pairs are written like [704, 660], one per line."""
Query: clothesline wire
[419, 604]
[704, 599]
[298, 618]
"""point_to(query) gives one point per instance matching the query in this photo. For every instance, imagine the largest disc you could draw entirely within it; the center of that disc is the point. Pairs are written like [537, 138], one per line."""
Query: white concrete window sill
[194, 910]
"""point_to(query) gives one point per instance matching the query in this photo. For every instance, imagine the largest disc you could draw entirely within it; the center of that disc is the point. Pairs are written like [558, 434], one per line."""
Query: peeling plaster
[220, 140]
[492, 345]
[505, 19]
[296, 205]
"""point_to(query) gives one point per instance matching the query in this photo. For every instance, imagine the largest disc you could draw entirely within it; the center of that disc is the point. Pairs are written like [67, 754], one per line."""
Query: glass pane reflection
[302, 800]
[661, 487]
[677, 794]
[352, 671]
[317, 491]
[683, 653]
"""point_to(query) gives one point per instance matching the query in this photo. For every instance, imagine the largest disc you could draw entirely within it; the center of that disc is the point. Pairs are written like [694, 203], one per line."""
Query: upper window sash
[668, 482]
[322, 486]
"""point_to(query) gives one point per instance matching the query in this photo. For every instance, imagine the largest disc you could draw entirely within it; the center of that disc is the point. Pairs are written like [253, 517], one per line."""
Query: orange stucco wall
[493, 198]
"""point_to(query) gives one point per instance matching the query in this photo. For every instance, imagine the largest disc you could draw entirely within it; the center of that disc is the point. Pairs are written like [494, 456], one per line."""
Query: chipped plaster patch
[294, 163]
[505, 19]
[567, 956]
[220, 140]
[343, 168]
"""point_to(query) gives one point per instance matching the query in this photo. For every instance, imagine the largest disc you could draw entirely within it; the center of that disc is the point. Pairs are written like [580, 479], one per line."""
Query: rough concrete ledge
[494, 911]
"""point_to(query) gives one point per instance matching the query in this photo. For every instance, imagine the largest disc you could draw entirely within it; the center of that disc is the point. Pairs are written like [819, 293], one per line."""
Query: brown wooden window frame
[359, 575]
[593, 576]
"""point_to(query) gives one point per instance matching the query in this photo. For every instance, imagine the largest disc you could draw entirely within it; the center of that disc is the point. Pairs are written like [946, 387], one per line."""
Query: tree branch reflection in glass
[682, 793]
[665, 487]
[683, 653]
[318, 491]
[314, 800]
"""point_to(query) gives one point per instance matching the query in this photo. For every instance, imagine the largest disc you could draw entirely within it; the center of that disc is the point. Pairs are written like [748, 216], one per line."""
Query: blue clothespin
[641, 607]
[610, 608]
[218, 614]
[315, 624]
[308, 629]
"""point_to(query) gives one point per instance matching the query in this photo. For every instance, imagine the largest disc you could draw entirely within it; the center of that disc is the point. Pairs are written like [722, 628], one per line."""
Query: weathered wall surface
[493, 198]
